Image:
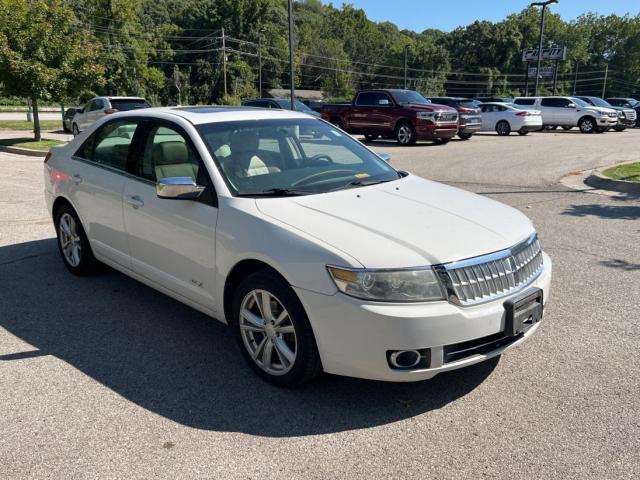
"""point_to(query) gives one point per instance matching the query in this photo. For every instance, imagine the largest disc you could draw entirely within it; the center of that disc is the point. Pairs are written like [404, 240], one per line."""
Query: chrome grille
[496, 275]
[630, 114]
[447, 116]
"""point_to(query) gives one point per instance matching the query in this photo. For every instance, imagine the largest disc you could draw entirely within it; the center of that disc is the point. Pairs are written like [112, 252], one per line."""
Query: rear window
[128, 104]
[468, 103]
[525, 101]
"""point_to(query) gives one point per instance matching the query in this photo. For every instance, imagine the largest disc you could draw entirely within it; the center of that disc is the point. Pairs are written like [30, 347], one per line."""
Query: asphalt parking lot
[103, 377]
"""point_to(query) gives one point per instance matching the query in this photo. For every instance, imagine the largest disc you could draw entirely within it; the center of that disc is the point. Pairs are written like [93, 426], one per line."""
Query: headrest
[170, 153]
[244, 141]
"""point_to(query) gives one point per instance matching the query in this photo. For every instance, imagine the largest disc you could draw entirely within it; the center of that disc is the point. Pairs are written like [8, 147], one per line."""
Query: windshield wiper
[276, 192]
[361, 183]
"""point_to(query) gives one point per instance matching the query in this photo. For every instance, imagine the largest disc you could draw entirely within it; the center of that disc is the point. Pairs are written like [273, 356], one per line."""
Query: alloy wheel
[267, 332]
[405, 134]
[70, 241]
[586, 126]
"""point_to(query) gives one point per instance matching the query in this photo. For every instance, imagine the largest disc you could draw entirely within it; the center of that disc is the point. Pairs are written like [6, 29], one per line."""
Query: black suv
[469, 115]
[627, 103]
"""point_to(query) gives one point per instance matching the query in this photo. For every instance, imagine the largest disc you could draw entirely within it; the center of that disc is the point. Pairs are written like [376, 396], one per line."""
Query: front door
[172, 242]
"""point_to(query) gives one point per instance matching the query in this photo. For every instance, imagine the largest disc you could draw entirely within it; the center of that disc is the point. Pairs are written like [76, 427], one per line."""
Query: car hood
[602, 110]
[428, 107]
[405, 223]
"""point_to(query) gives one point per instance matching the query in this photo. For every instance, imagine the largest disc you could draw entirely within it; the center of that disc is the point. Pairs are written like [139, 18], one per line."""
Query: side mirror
[178, 188]
[385, 156]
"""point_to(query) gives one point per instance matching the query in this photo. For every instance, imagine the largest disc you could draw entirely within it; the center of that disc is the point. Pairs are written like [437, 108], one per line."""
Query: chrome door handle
[135, 201]
[76, 179]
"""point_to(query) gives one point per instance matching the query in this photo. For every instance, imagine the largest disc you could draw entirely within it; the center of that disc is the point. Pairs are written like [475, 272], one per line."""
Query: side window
[366, 99]
[525, 101]
[549, 102]
[167, 154]
[564, 102]
[99, 104]
[383, 99]
[110, 144]
[501, 108]
[90, 106]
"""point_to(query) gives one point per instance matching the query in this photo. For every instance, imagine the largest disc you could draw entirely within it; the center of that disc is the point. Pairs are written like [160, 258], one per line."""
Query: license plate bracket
[523, 311]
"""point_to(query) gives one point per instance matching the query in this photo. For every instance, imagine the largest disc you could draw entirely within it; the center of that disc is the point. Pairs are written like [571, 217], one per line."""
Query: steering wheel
[319, 159]
[305, 180]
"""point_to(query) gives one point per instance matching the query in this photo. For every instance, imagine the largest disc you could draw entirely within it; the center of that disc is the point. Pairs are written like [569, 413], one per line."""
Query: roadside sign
[551, 53]
[545, 72]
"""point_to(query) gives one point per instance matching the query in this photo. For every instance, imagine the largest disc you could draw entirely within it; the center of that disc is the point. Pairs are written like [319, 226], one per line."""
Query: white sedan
[317, 252]
[505, 118]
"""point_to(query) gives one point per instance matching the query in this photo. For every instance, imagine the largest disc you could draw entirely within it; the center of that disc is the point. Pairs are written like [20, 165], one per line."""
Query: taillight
[111, 110]
[47, 157]
[522, 114]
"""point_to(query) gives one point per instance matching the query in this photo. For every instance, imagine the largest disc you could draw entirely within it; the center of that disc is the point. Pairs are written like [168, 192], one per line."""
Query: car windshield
[300, 107]
[282, 157]
[128, 104]
[580, 103]
[409, 96]
[598, 102]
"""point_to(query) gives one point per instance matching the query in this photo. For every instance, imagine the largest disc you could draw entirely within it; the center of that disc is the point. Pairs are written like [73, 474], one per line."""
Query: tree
[43, 54]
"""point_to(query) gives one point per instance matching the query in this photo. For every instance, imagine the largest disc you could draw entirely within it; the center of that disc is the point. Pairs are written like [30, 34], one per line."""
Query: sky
[418, 15]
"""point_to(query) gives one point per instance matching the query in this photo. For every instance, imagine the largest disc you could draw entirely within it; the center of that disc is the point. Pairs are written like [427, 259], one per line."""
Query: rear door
[359, 117]
[98, 172]
[172, 241]
[489, 117]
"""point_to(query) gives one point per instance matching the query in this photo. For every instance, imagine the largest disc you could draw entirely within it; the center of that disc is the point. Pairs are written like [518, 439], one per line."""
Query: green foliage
[43, 53]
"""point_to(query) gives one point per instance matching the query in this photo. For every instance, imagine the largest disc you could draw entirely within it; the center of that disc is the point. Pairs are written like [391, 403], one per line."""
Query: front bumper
[430, 131]
[608, 122]
[469, 128]
[354, 336]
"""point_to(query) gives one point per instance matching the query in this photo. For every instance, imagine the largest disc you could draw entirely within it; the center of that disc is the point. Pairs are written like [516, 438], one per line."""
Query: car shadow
[619, 212]
[393, 143]
[181, 364]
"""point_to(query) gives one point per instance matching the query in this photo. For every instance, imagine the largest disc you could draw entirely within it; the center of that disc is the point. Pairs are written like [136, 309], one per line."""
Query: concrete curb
[23, 151]
[597, 180]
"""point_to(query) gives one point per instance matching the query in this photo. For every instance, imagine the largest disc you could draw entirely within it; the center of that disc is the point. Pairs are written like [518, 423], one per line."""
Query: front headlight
[420, 285]
[426, 115]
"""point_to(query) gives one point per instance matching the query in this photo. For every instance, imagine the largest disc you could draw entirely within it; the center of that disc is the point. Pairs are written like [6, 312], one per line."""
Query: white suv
[569, 112]
[98, 107]
[317, 252]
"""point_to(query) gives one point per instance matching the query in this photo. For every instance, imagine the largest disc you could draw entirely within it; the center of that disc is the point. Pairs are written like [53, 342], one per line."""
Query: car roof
[211, 114]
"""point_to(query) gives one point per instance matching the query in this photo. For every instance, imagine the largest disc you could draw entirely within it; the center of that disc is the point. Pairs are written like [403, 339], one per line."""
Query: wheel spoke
[285, 329]
[253, 319]
[76, 254]
[267, 314]
[283, 315]
[284, 351]
[267, 352]
[64, 225]
[258, 352]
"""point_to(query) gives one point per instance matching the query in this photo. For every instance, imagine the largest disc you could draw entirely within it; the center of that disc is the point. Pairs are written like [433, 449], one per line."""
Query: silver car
[98, 107]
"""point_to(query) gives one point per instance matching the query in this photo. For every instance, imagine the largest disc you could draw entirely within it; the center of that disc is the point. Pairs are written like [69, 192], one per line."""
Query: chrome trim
[178, 188]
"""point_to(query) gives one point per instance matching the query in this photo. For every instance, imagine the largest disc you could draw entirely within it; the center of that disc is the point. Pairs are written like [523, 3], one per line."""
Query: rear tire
[73, 242]
[405, 134]
[503, 128]
[75, 130]
[278, 344]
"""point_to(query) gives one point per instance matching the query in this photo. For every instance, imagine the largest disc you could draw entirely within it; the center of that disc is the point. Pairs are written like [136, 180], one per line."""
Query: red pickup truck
[401, 114]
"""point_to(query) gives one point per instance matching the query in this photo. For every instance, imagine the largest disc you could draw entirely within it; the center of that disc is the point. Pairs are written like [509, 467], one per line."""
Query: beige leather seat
[244, 161]
[171, 159]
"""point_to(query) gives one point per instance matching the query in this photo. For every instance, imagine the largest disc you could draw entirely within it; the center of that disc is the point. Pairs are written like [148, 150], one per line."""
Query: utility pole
[406, 62]
[606, 75]
[555, 77]
[224, 62]
[575, 80]
[544, 11]
[260, 62]
[293, 88]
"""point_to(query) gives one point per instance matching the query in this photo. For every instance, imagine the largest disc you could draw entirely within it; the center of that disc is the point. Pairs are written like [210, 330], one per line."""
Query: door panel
[172, 242]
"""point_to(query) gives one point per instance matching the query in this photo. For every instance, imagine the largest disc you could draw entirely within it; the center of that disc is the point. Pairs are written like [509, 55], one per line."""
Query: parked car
[280, 104]
[316, 252]
[626, 116]
[315, 105]
[67, 119]
[504, 118]
[569, 112]
[470, 120]
[401, 114]
[494, 99]
[627, 103]
[98, 107]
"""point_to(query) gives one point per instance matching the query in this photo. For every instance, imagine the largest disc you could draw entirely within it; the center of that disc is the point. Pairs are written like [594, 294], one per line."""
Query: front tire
[619, 129]
[75, 130]
[523, 132]
[405, 134]
[273, 331]
[465, 136]
[442, 141]
[587, 125]
[73, 242]
[503, 128]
